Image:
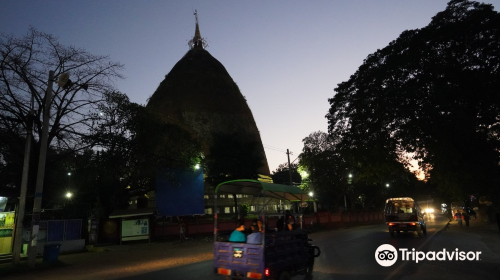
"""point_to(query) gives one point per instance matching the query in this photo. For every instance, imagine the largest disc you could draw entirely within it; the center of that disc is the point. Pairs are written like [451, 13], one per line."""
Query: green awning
[258, 188]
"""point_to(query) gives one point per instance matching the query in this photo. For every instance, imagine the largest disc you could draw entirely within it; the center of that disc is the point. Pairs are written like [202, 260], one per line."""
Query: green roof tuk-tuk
[280, 254]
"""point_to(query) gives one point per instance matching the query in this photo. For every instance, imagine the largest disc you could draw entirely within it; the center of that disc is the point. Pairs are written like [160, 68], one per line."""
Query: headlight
[429, 210]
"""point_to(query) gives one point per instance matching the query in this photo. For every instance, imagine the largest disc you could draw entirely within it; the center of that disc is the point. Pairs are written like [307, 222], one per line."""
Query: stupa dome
[199, 95]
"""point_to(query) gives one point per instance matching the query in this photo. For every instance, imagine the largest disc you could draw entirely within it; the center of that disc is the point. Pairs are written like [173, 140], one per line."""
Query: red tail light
[412, 224]
[224, 271]
[266, 272]
[253, 275]
[391, 224]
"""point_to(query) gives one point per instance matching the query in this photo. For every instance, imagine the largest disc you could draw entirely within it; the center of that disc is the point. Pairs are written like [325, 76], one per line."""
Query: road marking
[394, 272]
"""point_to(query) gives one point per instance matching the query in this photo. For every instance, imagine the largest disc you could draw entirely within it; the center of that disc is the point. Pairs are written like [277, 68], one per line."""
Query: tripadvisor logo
[387, 255]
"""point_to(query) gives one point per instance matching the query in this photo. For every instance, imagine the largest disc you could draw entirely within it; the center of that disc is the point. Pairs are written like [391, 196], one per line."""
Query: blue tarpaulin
[180, 192]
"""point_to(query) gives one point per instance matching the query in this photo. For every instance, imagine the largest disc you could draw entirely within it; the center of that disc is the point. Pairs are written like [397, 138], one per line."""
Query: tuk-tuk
[404, 214]
[281, 254]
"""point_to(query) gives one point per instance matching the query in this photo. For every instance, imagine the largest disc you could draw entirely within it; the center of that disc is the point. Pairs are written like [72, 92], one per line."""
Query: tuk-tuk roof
[258, 188]
[399, 199]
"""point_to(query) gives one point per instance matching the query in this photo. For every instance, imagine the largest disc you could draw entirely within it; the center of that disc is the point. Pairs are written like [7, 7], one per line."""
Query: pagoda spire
[197, 42]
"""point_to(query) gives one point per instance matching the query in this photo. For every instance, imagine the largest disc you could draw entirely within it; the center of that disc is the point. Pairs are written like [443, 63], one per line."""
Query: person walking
[458, 216]
[182, 230]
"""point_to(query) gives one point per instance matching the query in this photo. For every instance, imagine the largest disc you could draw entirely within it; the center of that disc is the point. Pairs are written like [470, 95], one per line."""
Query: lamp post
[40, 174]
[66, 83]
[311, 195]
[349, 181]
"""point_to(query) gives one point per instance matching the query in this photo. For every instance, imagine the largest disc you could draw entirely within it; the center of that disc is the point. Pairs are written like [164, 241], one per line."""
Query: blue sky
[285, 56]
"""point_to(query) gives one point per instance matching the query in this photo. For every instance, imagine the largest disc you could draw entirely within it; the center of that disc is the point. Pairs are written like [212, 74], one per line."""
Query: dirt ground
[115, 261]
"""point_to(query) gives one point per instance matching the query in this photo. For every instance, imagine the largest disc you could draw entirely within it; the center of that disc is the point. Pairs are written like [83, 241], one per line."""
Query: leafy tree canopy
[282, 175]
[231, 158]
[133, 144]
[432, 93]
[336, 174]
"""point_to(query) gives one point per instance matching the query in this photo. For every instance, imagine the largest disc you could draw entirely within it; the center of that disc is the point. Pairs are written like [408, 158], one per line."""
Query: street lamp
[40, 174]
[311, 194]
[69, 195]
[386, 185]
[349, 181]
[65, 83]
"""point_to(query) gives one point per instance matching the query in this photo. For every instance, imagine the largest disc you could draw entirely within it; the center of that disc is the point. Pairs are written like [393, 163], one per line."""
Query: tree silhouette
[433, 93]
[24, 69]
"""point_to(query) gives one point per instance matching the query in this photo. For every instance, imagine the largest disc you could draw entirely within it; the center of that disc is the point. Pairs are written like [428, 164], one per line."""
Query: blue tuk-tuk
[281, 254]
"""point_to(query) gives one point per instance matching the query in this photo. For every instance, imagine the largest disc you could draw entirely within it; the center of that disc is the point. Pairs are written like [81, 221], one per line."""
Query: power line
[274, 148]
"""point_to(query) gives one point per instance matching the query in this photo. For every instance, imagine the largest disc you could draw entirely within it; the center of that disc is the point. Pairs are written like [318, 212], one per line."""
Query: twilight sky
[285, 56]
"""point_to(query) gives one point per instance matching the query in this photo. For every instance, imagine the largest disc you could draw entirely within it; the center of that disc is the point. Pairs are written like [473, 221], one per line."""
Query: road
[349, 254]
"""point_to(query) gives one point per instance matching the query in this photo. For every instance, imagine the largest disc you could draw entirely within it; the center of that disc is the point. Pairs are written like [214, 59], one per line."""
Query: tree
[282, 176]
[433, 93]
[337, 173]
[231, 157]
[24, 67]
[327, 174]
[133, 145]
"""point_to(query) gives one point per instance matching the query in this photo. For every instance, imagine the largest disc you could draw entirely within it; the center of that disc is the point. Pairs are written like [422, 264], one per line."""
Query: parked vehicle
[281, 254]
[403, 214]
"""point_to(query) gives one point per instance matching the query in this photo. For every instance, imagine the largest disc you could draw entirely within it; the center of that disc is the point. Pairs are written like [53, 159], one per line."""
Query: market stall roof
[258, 188]
[399, 199]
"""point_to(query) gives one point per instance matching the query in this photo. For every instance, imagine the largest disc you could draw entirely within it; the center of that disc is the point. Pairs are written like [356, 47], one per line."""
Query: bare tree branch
[24, 66]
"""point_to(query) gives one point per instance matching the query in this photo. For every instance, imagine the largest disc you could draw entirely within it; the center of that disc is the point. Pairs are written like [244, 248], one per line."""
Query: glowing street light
[69, 195]
[387, 185]
[311, 194]
[197, 166]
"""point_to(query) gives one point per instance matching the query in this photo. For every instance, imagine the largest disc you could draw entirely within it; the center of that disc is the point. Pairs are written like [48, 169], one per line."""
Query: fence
[65, 232]
[325, 219]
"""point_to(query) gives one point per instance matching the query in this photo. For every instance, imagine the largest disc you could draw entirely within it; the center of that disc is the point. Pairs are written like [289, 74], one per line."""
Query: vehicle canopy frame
[265, 260]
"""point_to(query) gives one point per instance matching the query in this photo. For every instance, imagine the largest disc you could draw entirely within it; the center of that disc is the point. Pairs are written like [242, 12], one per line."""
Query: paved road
[346, 254]
[349, 254]
[352, 255]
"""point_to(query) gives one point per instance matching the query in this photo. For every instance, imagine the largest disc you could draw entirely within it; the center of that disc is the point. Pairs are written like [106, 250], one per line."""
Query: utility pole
[289, 167]
[32, 246]
[18, 237]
